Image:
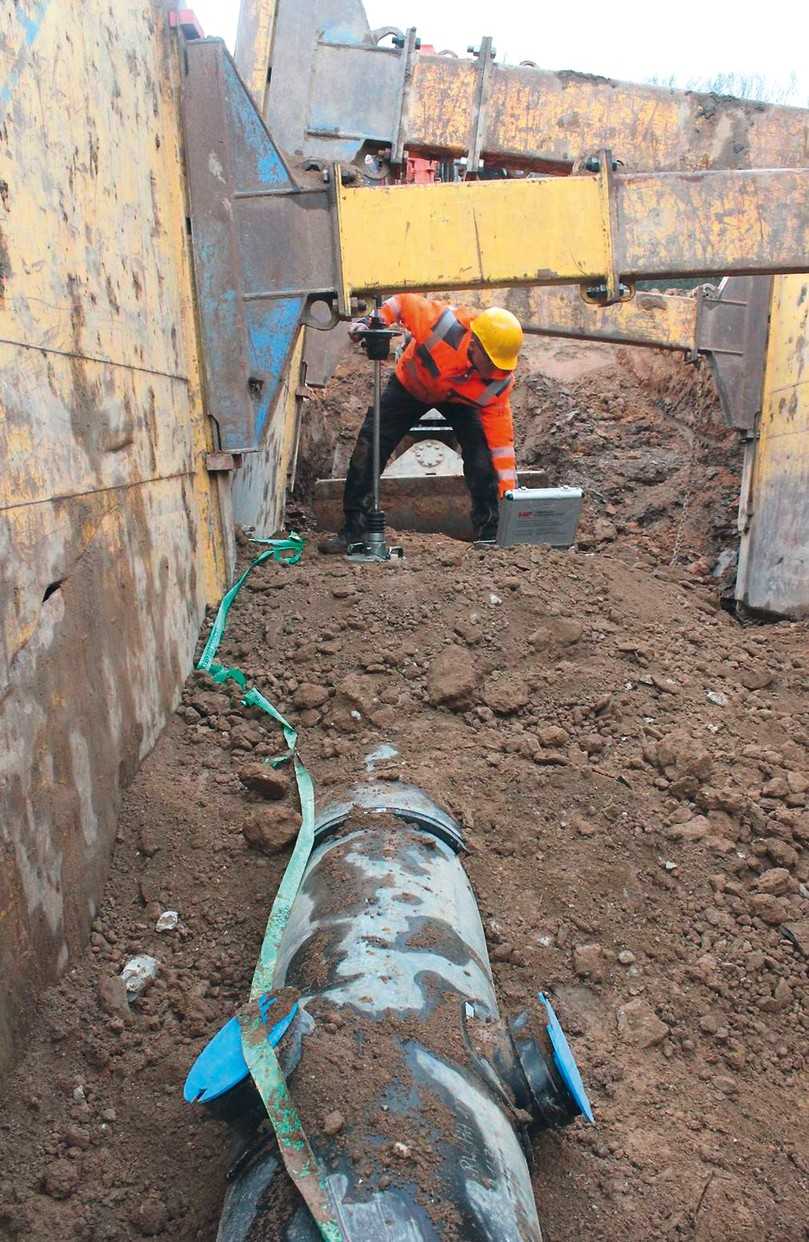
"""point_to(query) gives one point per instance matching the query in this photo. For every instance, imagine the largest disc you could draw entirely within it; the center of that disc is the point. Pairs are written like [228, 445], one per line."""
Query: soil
[631, 767]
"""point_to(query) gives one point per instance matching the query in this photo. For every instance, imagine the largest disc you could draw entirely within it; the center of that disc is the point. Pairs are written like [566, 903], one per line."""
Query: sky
[686, 44]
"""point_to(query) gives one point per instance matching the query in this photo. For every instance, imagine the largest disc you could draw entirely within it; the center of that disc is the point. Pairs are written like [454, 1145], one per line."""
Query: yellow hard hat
[500, 334]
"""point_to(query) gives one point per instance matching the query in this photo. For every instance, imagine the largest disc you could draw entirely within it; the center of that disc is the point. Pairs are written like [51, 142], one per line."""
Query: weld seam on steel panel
[95, 491]
[105, 362]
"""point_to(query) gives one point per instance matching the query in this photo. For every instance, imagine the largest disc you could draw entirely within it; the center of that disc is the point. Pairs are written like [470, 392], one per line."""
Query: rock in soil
[150, 1217]
[640, 1025]
[309, 696]
[454, 679]
[261, 779]
[272, 832]
[505, 695]
[61, 1179]
[113, 996]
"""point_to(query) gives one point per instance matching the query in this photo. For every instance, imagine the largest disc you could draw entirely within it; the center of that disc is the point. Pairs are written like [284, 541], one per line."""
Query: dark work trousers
[399, 412]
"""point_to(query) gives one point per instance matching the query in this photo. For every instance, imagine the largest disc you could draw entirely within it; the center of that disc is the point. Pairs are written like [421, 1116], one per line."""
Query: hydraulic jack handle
[376, 338]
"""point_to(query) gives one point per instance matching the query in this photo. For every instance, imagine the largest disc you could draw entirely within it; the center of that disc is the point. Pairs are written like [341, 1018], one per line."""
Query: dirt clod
[272, 832]
[150, 1217]
[333, 1123]
[309, 696]
[640, 1025]
[454, 679]
[61, 1179]
[505, 694]
[589, 962]
[262, 779]
[113, 997]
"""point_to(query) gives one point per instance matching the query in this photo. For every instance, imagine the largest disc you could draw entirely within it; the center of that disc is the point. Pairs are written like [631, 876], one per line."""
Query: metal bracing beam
[654, 320]
[562, 230]
[774, 511]
[726, 324]
[547, 120]
[334, 88]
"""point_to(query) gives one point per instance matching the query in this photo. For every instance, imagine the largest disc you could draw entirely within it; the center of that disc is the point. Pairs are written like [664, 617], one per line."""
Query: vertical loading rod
[376, 452]
[375, 339]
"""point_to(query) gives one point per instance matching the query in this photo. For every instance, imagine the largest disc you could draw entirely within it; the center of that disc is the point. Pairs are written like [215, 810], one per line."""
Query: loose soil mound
[631, 768]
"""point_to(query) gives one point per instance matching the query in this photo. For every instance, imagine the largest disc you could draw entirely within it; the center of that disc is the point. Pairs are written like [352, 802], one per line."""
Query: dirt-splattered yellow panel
[254, 46]
[110, 531]
[557, 118]
[552, 230]
[774, 557]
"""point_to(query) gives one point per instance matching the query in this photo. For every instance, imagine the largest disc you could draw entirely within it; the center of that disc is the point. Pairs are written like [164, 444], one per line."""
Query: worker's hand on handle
[357, 326]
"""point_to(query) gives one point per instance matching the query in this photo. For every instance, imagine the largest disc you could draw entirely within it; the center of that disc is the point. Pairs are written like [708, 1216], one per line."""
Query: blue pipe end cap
[221, 1065]
[566, 1062]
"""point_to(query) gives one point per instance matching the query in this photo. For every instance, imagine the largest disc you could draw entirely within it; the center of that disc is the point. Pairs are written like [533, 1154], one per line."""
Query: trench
[637, 849]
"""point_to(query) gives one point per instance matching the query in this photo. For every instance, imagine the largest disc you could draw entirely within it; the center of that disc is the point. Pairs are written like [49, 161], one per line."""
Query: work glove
[357, 326]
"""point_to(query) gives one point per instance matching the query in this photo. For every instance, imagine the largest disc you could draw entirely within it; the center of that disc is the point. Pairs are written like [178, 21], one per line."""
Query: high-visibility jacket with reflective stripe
[435, 368]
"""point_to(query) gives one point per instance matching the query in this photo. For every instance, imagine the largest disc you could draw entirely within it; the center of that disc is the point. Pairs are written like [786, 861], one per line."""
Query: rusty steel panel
[254, 38]
[471, 234]
[110, 528]
[547, 120]
[339, 88]
[773, 572]
[262, 242]
[102, 601]
[321, 353]
[291, 105]
[727, 222]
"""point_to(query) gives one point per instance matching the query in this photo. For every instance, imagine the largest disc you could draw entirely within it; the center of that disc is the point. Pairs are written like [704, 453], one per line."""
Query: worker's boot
[338, 545]
[486, 536]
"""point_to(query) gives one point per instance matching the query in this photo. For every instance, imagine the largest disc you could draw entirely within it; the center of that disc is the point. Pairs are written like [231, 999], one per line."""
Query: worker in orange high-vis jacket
[460, 362]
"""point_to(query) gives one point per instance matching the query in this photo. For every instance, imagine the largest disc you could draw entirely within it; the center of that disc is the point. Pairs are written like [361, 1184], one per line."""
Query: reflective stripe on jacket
[434, 368]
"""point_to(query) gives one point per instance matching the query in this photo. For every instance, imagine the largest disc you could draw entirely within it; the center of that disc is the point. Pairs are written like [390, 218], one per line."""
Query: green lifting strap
[284, 552]
[300, 1161]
